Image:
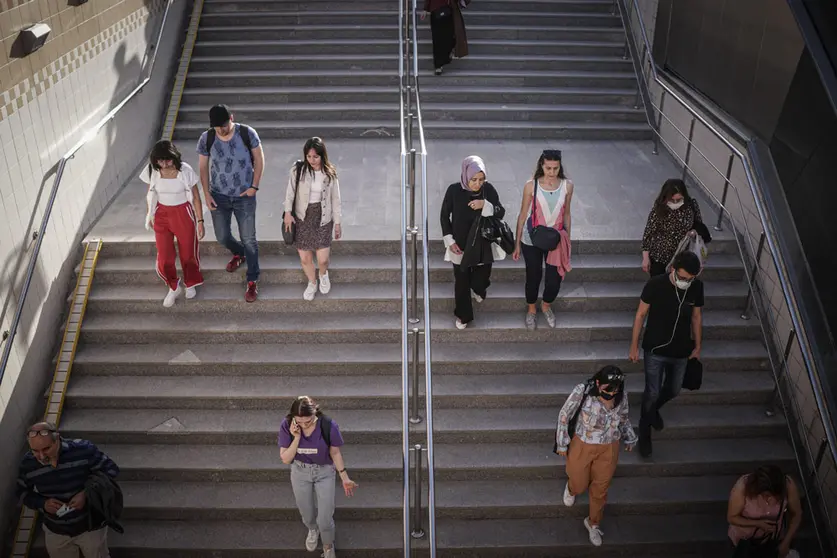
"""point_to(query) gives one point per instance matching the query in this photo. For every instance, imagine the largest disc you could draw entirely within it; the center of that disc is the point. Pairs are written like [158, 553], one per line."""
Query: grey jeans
[314, 487]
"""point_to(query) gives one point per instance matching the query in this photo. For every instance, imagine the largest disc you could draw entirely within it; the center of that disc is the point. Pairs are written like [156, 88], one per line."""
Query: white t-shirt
[171, 191]
[316, 195]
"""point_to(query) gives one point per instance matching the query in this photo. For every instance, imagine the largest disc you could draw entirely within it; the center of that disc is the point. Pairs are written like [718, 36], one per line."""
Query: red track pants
[177, 221]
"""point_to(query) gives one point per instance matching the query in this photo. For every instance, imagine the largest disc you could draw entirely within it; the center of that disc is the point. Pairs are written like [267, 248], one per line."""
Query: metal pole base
[745, 316]
[415, 420]
[417, 533]
[718, 228]
[414, 320]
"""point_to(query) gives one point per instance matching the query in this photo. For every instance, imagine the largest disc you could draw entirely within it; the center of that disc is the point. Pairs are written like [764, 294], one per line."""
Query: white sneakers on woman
[311, 289]
[325, 283]
[172, 295]
[569, 499]
[311, 540]
[595, 532]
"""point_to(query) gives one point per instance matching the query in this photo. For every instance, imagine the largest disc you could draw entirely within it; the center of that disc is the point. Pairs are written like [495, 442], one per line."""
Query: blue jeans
[663, 381]
[244, 210]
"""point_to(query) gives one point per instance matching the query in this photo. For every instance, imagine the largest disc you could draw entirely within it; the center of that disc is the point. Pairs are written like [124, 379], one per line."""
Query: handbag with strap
[289, 236]
[441, 13]
[543, 237]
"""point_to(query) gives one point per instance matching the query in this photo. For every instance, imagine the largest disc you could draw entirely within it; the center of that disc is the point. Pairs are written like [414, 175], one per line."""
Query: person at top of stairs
[597, 411]
[447, 29]
[312, 202]
[471, 255]
[231, 168]
[174, 211]
[673, 335]
[310, 442]
[546, 204]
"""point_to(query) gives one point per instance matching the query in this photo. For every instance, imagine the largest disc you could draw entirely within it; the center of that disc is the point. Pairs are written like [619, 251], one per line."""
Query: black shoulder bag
[289, 236]
[543, 237]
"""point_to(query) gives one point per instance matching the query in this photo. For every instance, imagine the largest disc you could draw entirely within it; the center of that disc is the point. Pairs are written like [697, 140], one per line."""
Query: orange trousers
[591, 466]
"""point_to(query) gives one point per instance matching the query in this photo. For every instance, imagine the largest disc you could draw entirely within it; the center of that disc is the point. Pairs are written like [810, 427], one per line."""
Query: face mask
[680, 284]
[675, 205]
[607, 396]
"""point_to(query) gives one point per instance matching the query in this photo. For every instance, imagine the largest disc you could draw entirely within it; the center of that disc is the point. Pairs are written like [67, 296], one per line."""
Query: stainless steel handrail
[798, 332]
[425, 267]
[59, 173]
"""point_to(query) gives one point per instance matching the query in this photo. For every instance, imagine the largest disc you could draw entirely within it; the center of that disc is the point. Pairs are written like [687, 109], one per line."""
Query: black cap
[219, 115]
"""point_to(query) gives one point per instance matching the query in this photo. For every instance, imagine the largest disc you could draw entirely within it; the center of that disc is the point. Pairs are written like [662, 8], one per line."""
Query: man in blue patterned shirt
[52, 479]
[231, 166]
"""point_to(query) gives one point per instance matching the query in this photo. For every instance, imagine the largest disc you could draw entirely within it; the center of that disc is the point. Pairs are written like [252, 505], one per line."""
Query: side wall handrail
[59, 174]
[825, 407]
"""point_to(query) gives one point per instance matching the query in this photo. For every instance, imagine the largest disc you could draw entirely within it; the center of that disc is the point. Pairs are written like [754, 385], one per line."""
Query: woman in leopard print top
[673, 216]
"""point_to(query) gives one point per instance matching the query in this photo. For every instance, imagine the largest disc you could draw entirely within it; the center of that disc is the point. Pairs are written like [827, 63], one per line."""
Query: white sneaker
[460, 325]
[325, 283]
[477, 298]
[168, 302]
[595, 532]
[330, 553]
[569, 499]
[191, 292]
[310, 291]
[311, 540]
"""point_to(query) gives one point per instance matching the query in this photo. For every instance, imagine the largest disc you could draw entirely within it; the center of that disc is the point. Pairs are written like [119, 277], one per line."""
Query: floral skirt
[309, 234]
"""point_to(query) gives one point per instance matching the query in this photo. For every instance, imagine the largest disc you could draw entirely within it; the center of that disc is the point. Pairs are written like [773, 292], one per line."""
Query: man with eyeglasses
[672, 302]
[52, 479]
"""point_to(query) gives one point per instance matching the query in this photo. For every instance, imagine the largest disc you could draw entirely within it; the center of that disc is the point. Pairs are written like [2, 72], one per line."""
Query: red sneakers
[235, 263]
[252, 292]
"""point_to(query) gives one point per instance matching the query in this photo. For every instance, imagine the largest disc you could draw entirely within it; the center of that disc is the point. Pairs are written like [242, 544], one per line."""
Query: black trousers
[535, 259]
[657, 268]
[465, 280]
[444, 38]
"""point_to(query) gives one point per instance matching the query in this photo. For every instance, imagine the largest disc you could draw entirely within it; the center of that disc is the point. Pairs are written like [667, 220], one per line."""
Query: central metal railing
[415, 324]
[808, 460]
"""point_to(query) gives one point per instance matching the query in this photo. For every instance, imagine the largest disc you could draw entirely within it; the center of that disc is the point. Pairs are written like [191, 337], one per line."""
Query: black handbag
[693, 378]
[543, 237]
[442, 13]
[289, 236]
[498, 231]
[574, 419]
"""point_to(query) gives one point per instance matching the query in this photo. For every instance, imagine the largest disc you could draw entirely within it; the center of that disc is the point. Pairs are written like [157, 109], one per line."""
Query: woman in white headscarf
[465, 201]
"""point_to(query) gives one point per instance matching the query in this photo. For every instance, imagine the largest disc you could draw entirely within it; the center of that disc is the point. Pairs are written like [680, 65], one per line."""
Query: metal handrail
[425, 267]
[798, 333]
[10, 335]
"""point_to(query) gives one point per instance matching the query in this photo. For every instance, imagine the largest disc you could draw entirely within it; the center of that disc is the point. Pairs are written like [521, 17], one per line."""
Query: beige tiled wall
[709, 156]
[97, 53]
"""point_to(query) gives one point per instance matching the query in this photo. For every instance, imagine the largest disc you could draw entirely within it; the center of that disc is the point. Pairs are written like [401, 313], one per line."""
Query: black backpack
[574, 419]
[243, 131]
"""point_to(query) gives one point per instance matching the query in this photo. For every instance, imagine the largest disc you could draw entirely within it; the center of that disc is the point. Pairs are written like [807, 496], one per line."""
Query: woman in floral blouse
[602, 421]
[673, 216]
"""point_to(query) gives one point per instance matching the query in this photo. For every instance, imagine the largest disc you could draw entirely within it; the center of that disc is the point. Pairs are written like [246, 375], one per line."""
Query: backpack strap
[210, 139]
[244, 132]
[325, 429]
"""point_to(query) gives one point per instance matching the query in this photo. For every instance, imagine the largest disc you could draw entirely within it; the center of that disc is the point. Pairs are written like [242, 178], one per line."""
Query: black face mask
[607, 396]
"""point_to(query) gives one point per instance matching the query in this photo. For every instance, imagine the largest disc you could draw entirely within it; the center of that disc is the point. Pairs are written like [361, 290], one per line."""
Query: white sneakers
[310, 291]
[595, 532]
[569, 499]
[477, 298]
[459, 324]
[311, 540]
[172, 295]
[325, 283]
[191, 292]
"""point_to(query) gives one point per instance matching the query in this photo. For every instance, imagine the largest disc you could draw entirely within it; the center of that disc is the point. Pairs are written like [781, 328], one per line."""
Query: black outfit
[535, 259]
[442, 31]
[104, 502]
[462, 223]
[662, 296]
[657, 268]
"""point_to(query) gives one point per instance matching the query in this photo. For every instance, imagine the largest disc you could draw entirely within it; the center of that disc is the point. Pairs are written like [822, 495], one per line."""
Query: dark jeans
[467, 279]
[657, 268]
[535, 259]
[663, 381]
[244, 210]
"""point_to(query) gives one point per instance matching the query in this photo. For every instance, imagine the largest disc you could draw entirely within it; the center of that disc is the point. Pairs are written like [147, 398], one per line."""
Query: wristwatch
[256, 188]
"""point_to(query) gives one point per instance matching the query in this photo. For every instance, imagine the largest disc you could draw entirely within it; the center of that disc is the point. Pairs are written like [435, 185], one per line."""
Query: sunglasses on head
[552, 154]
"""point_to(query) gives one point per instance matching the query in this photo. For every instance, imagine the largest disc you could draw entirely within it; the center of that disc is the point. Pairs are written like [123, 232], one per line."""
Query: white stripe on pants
[314, 487]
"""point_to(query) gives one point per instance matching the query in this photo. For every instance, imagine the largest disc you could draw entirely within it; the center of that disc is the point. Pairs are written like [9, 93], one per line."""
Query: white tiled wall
[33, 139]
[709, 156]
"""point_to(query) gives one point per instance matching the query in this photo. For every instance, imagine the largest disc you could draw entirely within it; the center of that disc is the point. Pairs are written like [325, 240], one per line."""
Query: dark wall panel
[742, 54]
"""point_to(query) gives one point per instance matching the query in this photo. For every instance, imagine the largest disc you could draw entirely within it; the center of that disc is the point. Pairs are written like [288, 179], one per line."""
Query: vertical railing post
[415, 417]
[659, 130]
[726, 191]
[752, 282]
[418, 531]
[413, 230]
[688, 149]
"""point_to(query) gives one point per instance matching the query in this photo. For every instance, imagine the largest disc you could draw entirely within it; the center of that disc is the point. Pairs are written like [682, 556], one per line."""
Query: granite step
[293, 130]
[334, 31]
[587, 6]
[451, 391]
[526, 113]
[346, 359]
[257, 114]
[307, 61]
[244, 96]
[326, 327]
[208, 425]
[302, 77]
[553, 130]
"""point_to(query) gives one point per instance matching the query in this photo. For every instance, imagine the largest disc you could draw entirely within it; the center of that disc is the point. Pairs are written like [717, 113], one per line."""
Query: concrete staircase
[295, 69]
[188, 401]
[536, 69]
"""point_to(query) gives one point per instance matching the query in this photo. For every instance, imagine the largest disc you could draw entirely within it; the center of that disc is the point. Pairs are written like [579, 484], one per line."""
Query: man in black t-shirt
[672, 303]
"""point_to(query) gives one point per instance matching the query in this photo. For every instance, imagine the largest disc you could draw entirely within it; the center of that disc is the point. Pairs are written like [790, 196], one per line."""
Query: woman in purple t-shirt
[310, 442]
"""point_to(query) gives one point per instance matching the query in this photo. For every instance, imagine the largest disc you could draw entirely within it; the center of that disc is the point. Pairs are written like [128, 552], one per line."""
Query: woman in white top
[174, 211]
[552, 210]
[312, 200]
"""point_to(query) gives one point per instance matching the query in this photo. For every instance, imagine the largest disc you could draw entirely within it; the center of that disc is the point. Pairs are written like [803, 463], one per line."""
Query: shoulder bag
[543, 237]
[289, 236]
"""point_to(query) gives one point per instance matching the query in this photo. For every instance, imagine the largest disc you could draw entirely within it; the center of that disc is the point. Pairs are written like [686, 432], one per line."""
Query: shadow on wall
[113, 154]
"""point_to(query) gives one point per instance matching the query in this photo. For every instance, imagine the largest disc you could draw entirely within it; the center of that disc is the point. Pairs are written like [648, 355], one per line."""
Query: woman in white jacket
[314, 205]
[174, 211]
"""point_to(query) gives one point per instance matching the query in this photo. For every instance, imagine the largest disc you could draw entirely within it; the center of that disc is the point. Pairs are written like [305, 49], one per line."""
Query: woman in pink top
[760, 504]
